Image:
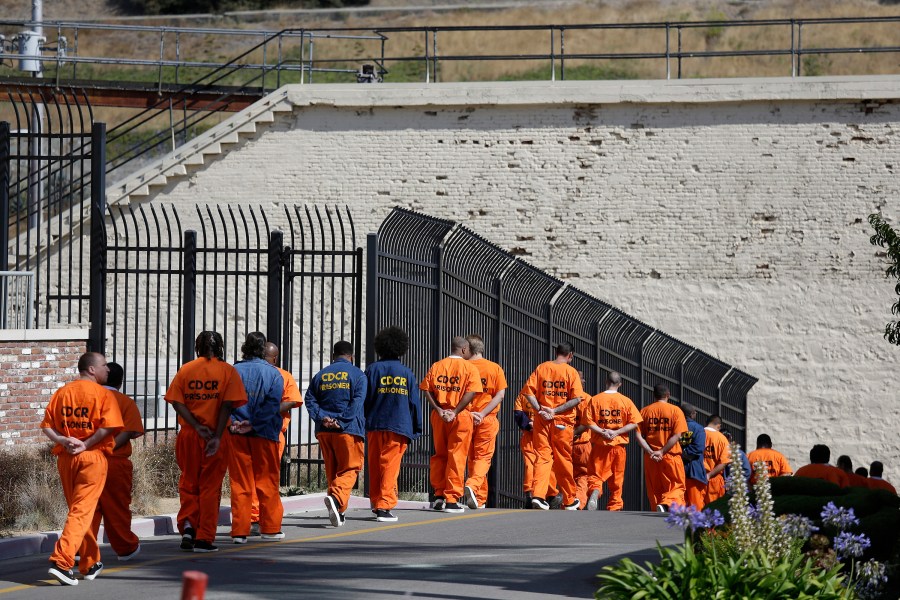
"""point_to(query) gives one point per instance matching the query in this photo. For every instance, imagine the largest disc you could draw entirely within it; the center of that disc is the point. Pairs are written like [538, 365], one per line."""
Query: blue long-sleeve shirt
[693, 445]
[264, 385]
[392, 401]
[338, 391]
[745, 465]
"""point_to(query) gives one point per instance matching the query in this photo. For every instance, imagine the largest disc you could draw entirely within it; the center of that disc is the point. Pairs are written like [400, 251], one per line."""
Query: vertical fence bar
[97, 306]
[799, 48]
[552, 55]
[437, 310]
[793, 52]
[668, 65]
[357, 305]
[4, 218]
[189, 303]
[562, 54]
[275, 287]
[372, 299]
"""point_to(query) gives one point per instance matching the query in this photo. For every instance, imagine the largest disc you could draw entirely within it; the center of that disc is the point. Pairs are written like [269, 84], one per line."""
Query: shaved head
[613, 379]
[270, 353]
[458, 344]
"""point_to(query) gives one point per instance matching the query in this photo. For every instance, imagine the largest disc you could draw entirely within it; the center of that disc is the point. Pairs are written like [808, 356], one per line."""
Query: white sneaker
[273, 536]
[594, 500]
[471, 500]
[439, 503]
[239, 539]
[575, 505]
[540, 503]
[333, 514]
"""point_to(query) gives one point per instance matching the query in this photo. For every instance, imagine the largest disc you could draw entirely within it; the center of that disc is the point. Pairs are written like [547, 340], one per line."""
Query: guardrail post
[189, 301]
[275, 287]
[97, 303]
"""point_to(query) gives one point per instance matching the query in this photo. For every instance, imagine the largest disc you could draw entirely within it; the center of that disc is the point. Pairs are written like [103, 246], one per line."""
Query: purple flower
[681, 516]
[753, 512]
[838, 517]
[870, 578]
[797, 527]
[847, 545]
[710, 518]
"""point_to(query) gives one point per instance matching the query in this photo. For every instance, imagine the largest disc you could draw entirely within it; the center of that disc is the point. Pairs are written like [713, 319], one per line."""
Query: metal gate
[435, 279]
[292, 272]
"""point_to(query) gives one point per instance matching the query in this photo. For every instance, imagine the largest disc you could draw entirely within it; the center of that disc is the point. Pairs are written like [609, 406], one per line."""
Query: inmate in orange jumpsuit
[203, 386]
[775, 462]
[824, 471]
[115, 502]
[484, 435]
[581, 457]
[664, 479]
[448, 380]
[77, 410]
[291, 394]
[610, 410]
[718, 452]
[553, 384]
[527, 447]
[877, 483]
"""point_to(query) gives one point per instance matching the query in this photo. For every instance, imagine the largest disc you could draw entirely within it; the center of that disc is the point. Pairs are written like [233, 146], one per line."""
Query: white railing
[16, 299]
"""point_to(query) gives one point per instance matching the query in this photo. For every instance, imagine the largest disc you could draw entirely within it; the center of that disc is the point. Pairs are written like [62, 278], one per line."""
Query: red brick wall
[30, 372]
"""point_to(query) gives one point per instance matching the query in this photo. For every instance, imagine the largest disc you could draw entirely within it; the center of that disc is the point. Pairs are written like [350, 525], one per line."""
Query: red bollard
[193, 585]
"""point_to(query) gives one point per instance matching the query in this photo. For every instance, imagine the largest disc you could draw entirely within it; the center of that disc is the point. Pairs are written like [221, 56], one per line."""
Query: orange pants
[451, 447]
[282, 443]
[608, 465]
[553, 447]
[484, 441]
[200, 484]
[529, 456]
[82, 477]
[695, 493]
[581, 469]
[343, 455]
[715, 489]
[254, 472]
[115, 506]
[665, 480]
[386, 450]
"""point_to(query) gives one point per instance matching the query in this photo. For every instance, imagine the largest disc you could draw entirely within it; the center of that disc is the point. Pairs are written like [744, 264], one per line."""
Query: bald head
[270, 353]
[613, 381]
[92, 366]
[458, 345]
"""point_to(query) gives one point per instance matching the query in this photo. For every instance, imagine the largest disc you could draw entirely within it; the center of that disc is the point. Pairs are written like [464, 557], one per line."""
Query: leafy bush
[683, 574]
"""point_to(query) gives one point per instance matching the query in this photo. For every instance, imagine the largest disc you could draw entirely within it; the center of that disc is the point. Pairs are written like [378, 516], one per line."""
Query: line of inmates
[234, 418]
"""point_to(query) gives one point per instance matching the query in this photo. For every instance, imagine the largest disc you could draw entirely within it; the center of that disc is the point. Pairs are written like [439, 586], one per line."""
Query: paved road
[480, 554]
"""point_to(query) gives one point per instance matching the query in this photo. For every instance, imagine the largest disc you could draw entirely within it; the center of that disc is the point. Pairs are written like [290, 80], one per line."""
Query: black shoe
[439, 503]
[556, 502]
[64, 576]
[454, 507]
[540, 503]
[202, 546]
[471, 500]
[187, 539]
[574, 505]
[527, 500]
[343, 518]
[663, 508]
[385, 516]
[94, 571]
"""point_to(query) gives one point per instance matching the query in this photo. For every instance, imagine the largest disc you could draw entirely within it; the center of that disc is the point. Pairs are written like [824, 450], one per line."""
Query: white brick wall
[731, 215]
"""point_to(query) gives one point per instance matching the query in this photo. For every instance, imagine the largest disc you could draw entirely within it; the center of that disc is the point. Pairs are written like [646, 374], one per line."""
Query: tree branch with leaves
[885, 237]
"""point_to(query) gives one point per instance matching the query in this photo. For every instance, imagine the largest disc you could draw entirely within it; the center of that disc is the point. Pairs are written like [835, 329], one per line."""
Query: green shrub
[683, 574]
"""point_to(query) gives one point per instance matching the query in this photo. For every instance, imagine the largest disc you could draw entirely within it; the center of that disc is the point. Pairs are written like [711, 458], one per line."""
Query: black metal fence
[436, 279]
[171, 273]
[51, 162]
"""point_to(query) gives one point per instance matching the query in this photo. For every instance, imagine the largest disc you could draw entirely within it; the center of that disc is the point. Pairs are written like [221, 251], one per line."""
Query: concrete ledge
[43, 335]
[144, 527]
[560, 93]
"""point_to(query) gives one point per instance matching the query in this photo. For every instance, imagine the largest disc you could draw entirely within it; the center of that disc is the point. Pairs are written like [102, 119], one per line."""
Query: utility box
[29, 43]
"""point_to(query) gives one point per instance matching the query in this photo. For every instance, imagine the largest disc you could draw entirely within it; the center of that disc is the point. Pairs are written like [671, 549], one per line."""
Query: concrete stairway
[199, 151]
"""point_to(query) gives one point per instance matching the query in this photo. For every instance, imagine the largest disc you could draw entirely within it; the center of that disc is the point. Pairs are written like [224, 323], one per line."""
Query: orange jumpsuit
[203, 385]
[718, 452]
[610, 410]
[775, 462]
[824, 471]
[484, 435]
[77, 410]
[664, 479]
[581, 458]
[528, 455]
[553, 384]
[877, 483]
[115, 502]
[291, 394]
[448, 380]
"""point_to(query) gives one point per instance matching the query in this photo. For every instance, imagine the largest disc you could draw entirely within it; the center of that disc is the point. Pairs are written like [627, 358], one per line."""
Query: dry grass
[155, 476]
[31, 498]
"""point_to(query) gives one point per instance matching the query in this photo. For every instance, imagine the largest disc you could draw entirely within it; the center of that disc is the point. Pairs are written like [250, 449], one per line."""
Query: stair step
[176, 170]
[144, 190]
[249, 127]
[230, 138]
[266, 117]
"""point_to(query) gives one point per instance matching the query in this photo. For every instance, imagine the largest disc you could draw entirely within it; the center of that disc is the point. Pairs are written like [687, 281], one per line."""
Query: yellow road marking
[318, 538]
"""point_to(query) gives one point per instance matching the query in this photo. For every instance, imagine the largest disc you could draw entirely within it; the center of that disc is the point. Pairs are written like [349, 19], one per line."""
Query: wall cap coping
[43, 335]
[530, 93]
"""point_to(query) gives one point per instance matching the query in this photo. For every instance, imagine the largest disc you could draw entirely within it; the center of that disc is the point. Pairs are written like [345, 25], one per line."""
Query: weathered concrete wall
[730, 214]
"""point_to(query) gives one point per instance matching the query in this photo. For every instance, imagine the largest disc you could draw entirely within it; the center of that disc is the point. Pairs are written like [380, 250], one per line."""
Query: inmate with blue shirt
[338, 391]
[393, 399]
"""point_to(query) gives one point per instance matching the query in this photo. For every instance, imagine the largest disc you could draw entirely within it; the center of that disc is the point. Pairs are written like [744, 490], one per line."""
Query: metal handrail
[16, 299]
